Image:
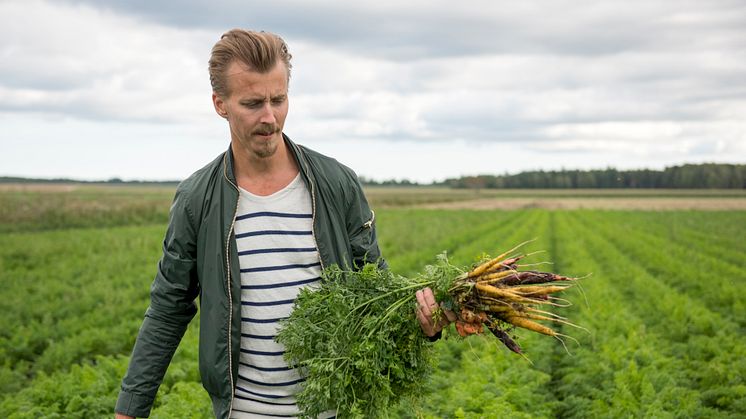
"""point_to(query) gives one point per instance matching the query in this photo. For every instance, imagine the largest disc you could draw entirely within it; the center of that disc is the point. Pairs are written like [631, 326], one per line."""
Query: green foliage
[85, 391]
[72, 304]
[184, 400]
[359, 341]
[667, 337]
[478, 378]
[73, 295]
[655, 351]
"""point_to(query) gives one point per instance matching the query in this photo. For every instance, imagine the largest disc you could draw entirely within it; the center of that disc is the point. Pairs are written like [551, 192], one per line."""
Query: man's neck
[264, 175]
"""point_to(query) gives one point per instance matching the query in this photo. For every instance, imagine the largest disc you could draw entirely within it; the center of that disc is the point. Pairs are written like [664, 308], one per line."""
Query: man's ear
[219, 105]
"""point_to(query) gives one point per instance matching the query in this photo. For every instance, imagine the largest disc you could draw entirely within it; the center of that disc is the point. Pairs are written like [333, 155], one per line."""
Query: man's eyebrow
[252, 99]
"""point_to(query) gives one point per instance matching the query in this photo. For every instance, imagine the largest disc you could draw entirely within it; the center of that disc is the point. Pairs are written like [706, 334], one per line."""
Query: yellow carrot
[492, 262]
[549, 319]
[533, 316]
[500, 308]
[495, 276]
[502, 294]
[530, 325]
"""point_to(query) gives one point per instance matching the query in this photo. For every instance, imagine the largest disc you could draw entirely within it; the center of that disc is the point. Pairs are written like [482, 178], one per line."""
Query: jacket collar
[228, 167]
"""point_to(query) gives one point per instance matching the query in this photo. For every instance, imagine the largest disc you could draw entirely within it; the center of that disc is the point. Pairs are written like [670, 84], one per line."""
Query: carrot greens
[357, 339]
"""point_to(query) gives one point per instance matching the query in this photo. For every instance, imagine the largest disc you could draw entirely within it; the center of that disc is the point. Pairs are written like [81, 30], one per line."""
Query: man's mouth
[264, 133]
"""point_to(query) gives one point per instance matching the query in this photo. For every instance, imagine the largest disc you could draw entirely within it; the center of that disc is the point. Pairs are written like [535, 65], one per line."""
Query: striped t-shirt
[277, 255]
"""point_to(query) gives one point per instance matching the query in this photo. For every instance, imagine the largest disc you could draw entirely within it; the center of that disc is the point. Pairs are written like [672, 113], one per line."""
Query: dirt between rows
[650, 204]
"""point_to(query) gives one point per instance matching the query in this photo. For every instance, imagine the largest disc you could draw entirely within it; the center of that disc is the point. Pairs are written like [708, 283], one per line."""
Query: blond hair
[257, 50]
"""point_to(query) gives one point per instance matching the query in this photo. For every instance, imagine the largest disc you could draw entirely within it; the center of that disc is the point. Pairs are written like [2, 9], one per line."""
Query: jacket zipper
[230, 293]
[313, 214]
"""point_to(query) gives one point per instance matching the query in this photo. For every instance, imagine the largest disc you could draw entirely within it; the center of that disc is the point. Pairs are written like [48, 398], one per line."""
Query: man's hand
[426, 306]
[121, 416]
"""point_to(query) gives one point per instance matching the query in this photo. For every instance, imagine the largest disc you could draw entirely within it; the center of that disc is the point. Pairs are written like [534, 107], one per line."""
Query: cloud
[605, 81]
[649, 140]
[94, 64]
[421, 28]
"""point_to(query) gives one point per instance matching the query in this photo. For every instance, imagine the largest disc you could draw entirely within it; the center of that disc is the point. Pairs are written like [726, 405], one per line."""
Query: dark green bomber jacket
[200, 260]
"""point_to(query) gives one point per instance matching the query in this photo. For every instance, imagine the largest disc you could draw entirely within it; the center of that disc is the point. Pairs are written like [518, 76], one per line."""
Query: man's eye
[278, 101]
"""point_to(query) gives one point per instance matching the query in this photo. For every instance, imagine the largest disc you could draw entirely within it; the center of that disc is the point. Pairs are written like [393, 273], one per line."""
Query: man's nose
[267, 116]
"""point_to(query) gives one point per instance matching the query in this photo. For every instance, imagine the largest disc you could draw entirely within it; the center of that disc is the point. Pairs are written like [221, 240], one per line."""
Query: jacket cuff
[135, 405]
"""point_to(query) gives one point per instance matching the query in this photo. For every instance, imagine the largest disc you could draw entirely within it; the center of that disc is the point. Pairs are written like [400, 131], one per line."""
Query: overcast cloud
[420, 89]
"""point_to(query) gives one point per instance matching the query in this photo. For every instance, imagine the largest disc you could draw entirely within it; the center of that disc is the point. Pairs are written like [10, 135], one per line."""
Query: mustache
[266, 130]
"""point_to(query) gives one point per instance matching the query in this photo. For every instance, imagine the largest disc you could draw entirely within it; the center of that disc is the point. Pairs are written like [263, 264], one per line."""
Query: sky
[417, 90]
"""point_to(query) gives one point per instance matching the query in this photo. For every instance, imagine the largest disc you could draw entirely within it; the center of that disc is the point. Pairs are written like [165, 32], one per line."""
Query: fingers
[425, 312]
[425, 324]
[426, 307]
[429, 297]
[431, 306]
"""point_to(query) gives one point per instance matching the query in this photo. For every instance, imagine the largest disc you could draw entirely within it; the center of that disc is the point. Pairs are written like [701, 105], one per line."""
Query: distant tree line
[389, 182]
[112, 181]
[688, 176]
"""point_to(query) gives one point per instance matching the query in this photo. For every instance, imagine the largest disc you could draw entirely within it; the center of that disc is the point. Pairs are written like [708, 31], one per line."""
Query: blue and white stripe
[277, 257]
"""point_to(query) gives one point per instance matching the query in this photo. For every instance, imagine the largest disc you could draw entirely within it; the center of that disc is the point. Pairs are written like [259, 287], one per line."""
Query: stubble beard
[266, 150]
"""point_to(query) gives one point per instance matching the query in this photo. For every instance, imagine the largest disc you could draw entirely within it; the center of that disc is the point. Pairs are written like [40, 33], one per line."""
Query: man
[246, 233]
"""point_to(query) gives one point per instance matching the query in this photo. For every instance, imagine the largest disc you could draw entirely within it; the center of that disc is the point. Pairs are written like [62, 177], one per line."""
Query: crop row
[654, 350]
[663, 310]
[685, 267]
[71, 295]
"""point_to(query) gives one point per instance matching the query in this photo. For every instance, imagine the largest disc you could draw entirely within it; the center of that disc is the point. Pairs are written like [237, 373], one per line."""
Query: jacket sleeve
[361, 228]
[172, 307]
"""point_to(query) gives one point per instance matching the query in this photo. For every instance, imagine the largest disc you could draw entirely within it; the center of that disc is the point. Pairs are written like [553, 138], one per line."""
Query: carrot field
[664, 307]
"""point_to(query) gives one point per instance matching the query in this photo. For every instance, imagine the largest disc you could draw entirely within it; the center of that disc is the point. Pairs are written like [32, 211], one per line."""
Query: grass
[47, 207]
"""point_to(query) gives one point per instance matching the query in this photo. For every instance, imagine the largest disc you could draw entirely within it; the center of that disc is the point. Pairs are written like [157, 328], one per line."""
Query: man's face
[255, 108]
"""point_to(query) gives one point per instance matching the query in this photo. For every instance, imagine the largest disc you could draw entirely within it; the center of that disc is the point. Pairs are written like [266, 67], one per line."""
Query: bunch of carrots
[498, 295]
